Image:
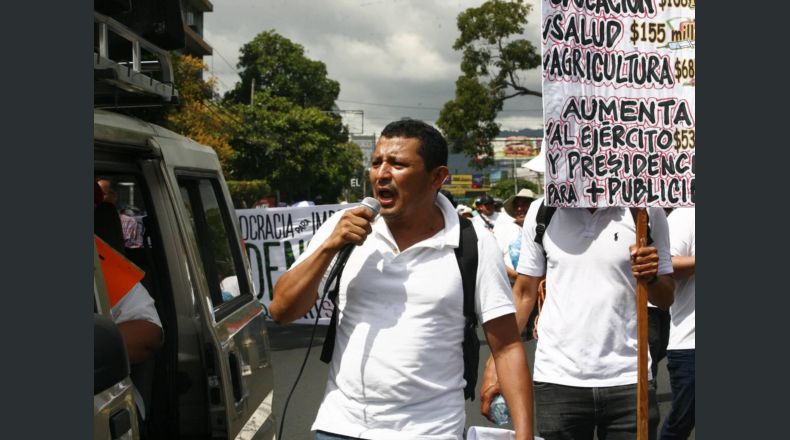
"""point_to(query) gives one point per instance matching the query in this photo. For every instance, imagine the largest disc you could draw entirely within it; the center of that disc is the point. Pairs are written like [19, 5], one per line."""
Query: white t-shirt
[137, 304]
[397, 367]
[587, 325]
[683, 243]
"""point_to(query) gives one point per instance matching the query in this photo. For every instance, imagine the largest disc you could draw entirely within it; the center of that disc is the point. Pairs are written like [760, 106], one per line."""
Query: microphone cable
[334, 275]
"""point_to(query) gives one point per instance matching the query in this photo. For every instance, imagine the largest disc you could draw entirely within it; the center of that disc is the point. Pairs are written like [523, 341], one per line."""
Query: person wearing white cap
[464, 210]
[488, 215]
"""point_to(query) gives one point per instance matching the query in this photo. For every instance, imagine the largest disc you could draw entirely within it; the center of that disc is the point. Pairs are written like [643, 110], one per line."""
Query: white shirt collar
[448, 236]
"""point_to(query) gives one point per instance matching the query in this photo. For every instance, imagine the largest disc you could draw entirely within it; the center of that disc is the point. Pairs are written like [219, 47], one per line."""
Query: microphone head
[373, 204]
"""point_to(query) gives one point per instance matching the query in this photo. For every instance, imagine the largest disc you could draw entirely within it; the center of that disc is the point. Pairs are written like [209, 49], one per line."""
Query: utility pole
[252, 92]
[515, 177]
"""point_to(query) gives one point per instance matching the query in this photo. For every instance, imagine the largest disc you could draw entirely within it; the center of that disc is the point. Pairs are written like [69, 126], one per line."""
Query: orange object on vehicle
[120, 274]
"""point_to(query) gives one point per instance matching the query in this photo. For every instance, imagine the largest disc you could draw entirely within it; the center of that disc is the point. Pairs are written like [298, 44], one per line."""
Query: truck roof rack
[128, 70]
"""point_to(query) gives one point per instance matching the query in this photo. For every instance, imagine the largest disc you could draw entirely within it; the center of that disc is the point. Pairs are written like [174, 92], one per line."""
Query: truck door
[239, 372]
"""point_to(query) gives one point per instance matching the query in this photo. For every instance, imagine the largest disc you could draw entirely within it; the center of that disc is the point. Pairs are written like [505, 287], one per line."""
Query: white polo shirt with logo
[397, 366]
[587, 326]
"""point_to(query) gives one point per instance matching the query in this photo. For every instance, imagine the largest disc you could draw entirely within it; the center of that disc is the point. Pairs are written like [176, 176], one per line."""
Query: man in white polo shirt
[586, 359]
[397, 366]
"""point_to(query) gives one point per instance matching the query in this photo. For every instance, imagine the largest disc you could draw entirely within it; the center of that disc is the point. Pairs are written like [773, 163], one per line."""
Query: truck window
[219, 247]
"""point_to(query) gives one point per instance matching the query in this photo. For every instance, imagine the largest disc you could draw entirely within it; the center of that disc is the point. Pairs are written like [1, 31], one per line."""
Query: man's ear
[439, 175]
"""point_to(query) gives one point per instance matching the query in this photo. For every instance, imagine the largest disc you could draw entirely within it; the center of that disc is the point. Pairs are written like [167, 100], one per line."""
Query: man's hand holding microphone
[296, 290]
[352, 229]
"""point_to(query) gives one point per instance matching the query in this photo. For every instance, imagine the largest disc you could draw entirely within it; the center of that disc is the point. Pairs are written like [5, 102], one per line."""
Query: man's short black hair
[433, 146]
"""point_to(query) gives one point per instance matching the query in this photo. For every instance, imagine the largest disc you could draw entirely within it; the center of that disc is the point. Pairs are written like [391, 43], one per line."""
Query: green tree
[245, 193]
[506, 188]
[198, 116]
[494, 59]
[302, 152]
[278, 66]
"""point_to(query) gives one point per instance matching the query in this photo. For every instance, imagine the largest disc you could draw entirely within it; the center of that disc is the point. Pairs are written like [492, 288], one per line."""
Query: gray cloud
[385, 52]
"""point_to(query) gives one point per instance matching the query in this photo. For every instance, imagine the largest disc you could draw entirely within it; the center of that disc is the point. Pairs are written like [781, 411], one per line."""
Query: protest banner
[274, 239]
[618, 108]
[618, 100]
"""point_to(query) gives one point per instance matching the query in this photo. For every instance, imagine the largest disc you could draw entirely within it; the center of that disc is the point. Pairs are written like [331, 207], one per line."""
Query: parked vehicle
[114, 410]
[212, 377]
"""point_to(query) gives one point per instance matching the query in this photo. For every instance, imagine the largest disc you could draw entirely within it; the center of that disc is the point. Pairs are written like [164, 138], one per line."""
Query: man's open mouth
[386, 197]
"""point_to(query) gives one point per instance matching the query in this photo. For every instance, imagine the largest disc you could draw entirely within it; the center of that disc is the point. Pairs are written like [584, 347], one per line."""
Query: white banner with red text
[619, 102]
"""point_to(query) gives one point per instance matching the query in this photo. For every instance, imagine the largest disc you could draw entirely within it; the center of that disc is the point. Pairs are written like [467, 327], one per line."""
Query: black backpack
[466, 255]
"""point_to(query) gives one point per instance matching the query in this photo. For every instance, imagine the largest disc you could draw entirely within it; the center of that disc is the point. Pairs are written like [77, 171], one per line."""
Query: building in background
[366, 143]
[510, 154]
[193, 11]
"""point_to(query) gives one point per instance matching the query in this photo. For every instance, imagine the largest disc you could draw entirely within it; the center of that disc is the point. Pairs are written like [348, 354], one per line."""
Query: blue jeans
[323, 435]
[680, 421]
[576, 413]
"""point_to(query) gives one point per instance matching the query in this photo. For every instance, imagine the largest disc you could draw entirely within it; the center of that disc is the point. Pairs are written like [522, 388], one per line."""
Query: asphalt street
[289, 345]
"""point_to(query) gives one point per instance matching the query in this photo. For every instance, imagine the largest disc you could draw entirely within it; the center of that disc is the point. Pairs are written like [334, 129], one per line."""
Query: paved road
[289, 344]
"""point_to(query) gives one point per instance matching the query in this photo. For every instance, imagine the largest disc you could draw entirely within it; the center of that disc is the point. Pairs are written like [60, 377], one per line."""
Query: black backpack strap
[466, 255]
[542, 220]
[488, 223]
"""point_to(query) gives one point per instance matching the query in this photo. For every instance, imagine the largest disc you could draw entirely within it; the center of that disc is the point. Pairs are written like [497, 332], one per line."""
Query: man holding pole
[585, 377]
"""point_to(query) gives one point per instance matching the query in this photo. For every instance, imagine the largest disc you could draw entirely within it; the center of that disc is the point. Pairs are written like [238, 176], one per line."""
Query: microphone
[345, 252]
[342, 256]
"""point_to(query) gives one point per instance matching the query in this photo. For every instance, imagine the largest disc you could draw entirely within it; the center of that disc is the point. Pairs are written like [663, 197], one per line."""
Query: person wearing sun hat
[508, 233]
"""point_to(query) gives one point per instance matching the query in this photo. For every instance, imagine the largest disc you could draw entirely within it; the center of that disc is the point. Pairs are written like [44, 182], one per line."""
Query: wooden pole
[641, 333]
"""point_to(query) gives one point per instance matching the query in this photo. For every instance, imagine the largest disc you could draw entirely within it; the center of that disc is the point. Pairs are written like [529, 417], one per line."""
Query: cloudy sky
[393, 58]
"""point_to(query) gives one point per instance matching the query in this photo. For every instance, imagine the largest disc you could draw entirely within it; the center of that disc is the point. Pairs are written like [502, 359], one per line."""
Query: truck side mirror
[110, 359]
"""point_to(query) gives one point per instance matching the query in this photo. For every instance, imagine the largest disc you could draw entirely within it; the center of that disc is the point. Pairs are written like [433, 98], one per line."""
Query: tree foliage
[493, 63]
[287, 135]
[285, 141]
[506, 188]
[197, 116]
[279, 66]
[302, 152]
[245, 193]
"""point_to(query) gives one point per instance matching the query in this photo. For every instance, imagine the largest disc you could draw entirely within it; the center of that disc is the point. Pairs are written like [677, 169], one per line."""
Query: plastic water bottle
[499, 411]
